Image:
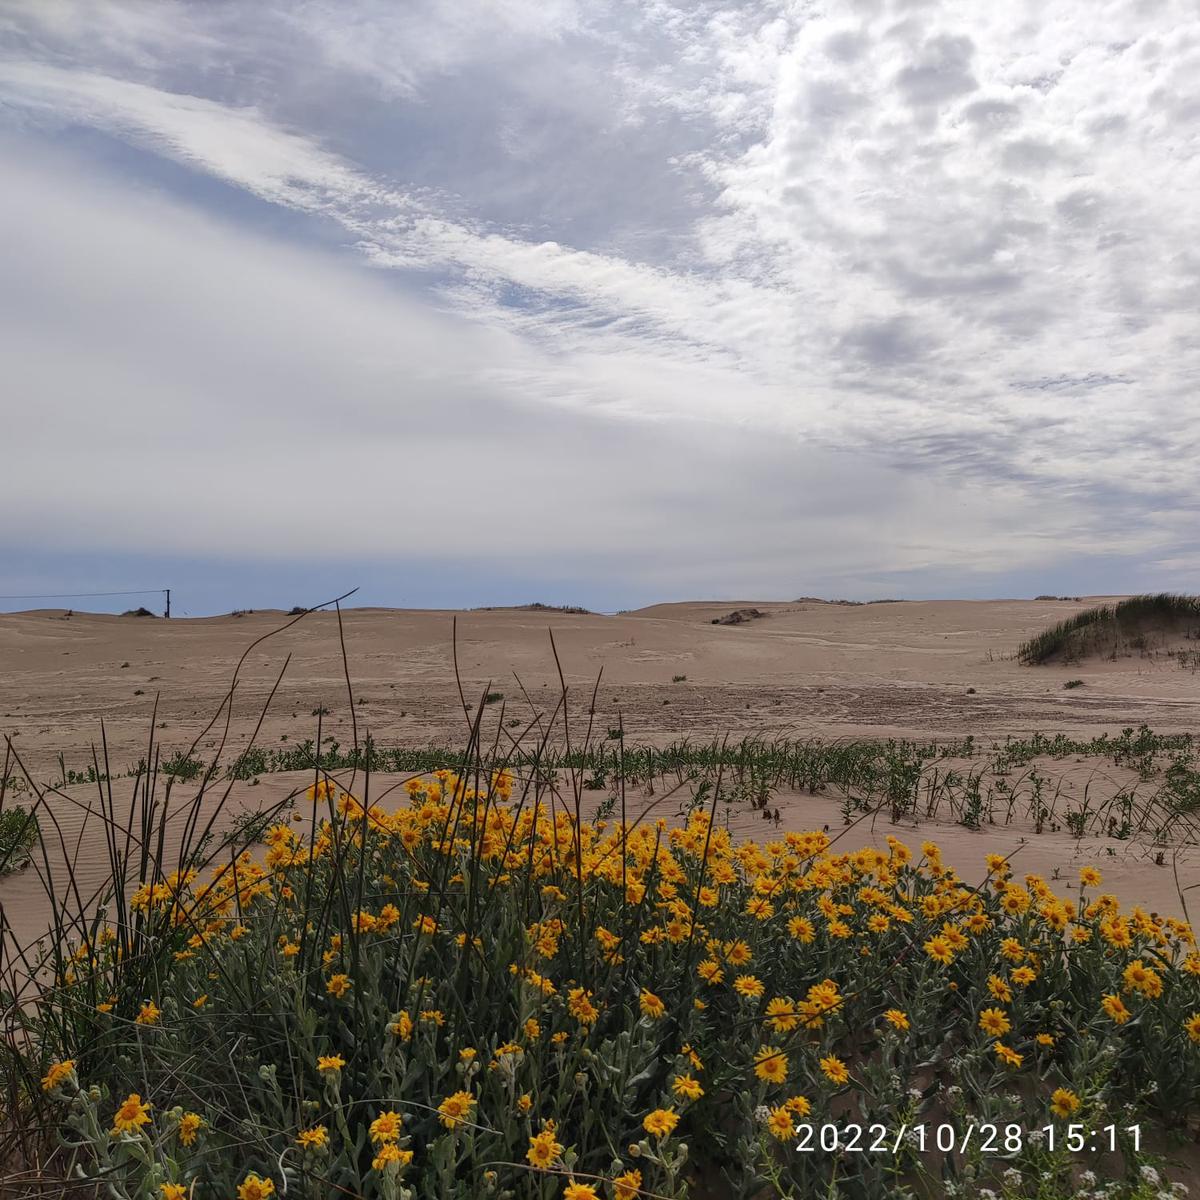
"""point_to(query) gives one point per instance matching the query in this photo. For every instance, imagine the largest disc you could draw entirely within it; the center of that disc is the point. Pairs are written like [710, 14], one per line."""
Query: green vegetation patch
[18, 835]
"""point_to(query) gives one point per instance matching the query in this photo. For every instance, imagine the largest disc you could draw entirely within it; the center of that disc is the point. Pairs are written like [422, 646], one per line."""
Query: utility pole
[168, 612]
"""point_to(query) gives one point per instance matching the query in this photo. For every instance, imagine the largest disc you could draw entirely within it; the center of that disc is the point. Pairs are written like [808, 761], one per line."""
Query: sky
[597, 303]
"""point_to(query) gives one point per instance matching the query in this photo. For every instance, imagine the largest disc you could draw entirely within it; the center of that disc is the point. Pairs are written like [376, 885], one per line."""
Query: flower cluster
[472, 993]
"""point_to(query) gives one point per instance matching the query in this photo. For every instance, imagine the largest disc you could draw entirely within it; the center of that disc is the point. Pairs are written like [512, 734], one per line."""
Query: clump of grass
[19, 832]
[1114, 627]
[679, 679]
[1073, 683]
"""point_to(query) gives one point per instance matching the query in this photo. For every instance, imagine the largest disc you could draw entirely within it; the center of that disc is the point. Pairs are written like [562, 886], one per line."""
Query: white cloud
[954, 242]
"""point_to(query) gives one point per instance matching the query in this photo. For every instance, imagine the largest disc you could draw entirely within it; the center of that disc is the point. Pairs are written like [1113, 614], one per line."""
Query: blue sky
[598, 303]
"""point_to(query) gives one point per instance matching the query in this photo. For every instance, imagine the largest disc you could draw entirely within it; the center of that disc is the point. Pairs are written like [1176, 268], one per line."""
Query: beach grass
[1114, 628]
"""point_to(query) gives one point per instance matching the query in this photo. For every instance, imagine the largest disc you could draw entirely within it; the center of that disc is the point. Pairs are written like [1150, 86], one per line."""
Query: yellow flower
[627, 1185]
[1012, 949]
[330, 1063]
[781, 1124]
[938, 948]
[999, 989]
[172, 1191]
[798, 1106]
[749, 986]
[190, 1125]
[737, 954]
[1023, 976]
[389, 1155]
[782, 1015]
[456, 1109]
[834, 1069]
[651, 1006]
[524, 1102]
[1006, 1054]
[994, 1021]
[58, 1074]
[1089, 877]
[386, 1127]
[1044, 1039]
[131, 1116]
[315, 1138]
[149, 1014]
[660, 1122]
[1115, 1008]
[544, 1150]
[1140, 978]
[254, 1188]
[1063, 1102]
[1192, 1025]
[802, 929]
[580, 1191]
[579, 1004]
[338, 985]
[688, 1087]
[896, 1018]
[771, 1065]
[200, 1001]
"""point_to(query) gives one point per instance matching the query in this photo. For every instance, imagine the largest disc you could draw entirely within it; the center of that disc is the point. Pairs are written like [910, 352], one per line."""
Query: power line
[80, 595]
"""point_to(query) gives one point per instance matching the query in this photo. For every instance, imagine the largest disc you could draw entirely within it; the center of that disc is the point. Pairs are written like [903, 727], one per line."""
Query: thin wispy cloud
[941, 241]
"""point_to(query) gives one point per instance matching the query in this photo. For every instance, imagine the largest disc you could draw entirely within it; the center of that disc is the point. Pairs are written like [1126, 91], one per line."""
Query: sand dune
[804, 668]
[801, 669]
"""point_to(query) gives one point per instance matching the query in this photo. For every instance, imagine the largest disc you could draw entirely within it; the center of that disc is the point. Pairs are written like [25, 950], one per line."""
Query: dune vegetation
[465, 986]
[466, 989]
[1132, 625]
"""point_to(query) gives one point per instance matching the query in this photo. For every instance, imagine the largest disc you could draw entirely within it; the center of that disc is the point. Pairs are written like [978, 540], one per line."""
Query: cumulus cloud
[933, 241]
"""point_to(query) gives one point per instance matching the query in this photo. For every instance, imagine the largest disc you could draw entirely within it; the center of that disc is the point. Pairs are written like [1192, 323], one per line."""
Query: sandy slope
[802, 669]
[806, 668]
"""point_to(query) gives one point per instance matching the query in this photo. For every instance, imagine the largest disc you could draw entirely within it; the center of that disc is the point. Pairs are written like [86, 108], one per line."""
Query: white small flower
[1011, 1177]
[1087, 1178]
[1036, 1137]
[762, 1114]
[1149, 1175]
[1180, 1189]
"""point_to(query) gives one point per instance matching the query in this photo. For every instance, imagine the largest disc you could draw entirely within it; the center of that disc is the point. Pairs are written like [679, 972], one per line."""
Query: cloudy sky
[598, 302]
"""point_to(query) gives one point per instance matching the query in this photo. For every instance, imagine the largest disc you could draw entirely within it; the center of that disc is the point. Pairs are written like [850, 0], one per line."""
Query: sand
[804, 669]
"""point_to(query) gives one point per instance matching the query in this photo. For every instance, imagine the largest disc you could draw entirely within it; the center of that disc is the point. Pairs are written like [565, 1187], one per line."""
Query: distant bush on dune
[739, 616]
[1129, 626]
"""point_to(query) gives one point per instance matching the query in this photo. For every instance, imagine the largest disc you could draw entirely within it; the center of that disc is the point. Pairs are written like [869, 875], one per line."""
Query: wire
[80, 595]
